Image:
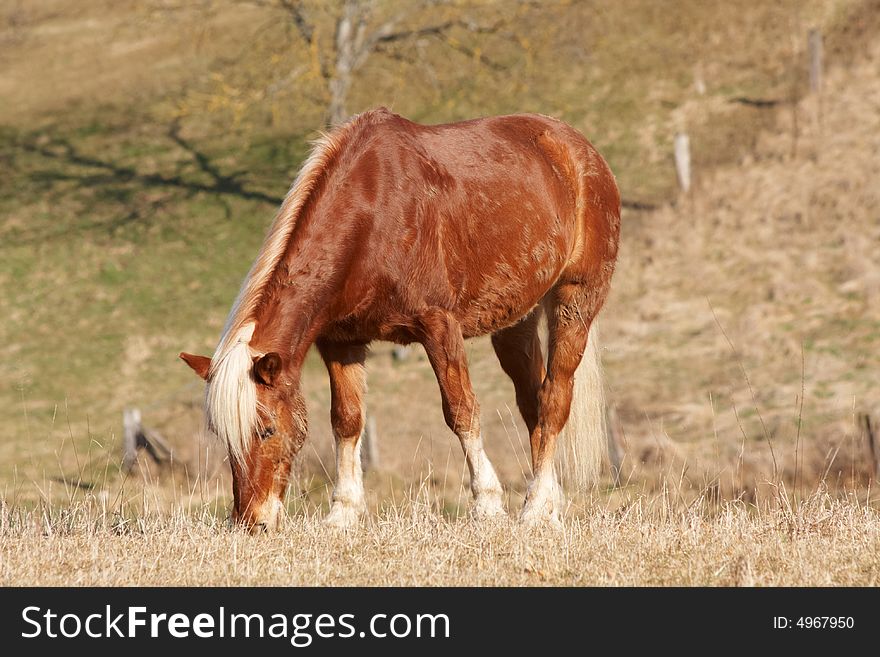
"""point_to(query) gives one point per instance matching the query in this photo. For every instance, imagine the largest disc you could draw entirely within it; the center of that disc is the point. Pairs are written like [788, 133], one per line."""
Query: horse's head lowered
[253, 402]
[254, 406]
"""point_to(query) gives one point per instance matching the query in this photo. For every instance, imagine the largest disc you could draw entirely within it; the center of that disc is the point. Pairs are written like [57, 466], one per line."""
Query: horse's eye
[267, 432]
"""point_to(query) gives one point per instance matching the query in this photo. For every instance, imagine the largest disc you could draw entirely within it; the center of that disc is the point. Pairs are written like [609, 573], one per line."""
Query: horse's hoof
[343, 516]
[539, 521]
[540, 515]
[488, 507]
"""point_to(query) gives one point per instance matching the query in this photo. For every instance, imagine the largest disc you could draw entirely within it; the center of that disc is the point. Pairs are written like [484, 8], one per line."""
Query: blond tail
[581, 447]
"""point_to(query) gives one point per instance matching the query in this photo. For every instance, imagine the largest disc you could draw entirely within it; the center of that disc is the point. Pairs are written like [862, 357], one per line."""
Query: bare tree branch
[355, 40]
[483, 59]
[440, 28]
[297, 14]
[441, 31]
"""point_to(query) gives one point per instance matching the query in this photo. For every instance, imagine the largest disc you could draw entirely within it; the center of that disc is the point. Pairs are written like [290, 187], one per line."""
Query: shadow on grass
[119, 194]
[51, 159]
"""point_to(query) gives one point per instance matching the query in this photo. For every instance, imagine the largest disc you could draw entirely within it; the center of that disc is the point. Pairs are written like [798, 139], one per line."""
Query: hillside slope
[780, 253]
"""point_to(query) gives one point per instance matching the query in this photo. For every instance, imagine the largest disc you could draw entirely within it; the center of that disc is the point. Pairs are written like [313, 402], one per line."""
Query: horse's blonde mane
[231, 398]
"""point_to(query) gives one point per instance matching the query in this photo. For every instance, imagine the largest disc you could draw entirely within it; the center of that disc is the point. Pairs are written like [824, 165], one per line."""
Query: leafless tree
[360, 33]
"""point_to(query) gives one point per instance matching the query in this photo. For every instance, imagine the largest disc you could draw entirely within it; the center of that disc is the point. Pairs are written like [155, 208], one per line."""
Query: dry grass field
[741, 340]
[651, 542]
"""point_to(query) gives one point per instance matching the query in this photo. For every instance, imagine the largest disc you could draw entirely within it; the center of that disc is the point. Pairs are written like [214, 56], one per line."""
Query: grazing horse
[409, 233]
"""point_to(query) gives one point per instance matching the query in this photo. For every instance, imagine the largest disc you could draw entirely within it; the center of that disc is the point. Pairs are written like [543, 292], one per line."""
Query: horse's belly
[507, 294]
[502, 258]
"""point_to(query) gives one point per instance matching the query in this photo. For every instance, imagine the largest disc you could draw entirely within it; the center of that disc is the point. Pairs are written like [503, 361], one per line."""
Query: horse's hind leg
[518, 348]
[442, 338]
[568, 318]
[345, 364]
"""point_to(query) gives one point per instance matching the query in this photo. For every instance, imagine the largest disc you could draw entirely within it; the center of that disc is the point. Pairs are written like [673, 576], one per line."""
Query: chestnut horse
[432, 234]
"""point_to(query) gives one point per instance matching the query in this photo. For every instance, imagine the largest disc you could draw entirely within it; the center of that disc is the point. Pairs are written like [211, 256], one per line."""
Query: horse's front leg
[345, 364]
[444, 344]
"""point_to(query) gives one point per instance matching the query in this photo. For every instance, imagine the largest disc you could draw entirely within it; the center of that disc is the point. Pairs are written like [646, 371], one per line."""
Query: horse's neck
[295, 305]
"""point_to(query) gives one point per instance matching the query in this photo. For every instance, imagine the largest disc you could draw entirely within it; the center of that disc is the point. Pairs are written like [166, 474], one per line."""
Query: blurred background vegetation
[144, 146]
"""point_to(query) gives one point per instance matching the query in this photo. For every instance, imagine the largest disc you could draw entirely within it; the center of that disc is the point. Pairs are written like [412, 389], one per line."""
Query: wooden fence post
[615, 452]
[814, 45]
[870, 428]
[131, 422]
[370, 445]
[682, 151]
[136, 437]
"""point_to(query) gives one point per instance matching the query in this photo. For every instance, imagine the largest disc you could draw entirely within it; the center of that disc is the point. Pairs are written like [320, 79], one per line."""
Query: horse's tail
[581, 446]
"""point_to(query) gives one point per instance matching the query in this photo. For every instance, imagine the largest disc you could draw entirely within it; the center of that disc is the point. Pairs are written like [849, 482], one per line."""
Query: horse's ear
[199, 364]
[267, 368]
